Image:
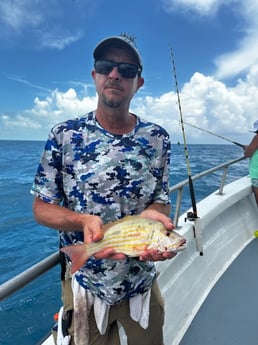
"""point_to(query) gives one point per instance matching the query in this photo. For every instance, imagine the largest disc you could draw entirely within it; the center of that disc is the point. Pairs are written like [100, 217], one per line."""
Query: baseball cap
[122, 41]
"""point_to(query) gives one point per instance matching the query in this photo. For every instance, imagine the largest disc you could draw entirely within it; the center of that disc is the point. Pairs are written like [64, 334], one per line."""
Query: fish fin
[78, 255]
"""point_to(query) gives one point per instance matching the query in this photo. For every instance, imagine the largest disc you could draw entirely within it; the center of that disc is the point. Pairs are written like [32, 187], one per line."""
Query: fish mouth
[179, 248]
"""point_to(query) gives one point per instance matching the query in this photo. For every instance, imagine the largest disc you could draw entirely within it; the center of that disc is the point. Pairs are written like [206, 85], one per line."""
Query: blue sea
[27, 316]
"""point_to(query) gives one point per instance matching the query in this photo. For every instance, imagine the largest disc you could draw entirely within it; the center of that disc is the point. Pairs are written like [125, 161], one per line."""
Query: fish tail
[78, 255]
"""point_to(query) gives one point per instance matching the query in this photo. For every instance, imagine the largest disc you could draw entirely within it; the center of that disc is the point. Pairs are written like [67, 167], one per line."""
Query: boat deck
[229, 316]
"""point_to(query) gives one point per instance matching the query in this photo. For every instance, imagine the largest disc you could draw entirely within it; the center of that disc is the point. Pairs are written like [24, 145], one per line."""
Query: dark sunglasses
[127, 70]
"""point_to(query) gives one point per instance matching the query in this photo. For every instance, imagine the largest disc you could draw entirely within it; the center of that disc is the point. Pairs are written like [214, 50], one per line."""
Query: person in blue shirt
[251, 151]
[98, 168]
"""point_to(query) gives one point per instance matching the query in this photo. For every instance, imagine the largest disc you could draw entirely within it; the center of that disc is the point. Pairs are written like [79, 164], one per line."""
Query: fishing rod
[216, 135]
[190, 215]
[184, 139]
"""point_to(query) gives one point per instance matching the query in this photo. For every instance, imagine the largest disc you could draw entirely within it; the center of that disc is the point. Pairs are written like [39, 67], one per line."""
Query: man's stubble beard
[111, 103]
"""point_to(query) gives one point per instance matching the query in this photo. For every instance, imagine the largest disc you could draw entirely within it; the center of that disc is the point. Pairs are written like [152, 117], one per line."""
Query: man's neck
[116, 121]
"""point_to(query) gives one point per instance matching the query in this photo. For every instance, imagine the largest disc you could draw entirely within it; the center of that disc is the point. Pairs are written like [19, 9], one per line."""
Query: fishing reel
[197, 230]
[191, 216]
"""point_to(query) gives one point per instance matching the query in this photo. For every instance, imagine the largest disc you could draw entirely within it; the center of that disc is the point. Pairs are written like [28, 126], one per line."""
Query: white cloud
[38, 18]
[59, 41]
[20, 14]
[241, 60]
[55, 108]
[205, 102]
[26, 82]
[245, 56]
[200, 7]
[209, 104]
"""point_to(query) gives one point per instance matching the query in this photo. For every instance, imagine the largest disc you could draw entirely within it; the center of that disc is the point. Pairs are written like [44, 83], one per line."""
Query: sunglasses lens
[125, 69]
[103, 66]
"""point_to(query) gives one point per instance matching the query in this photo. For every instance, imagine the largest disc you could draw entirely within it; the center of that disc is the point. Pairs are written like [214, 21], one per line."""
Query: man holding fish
[95, 171]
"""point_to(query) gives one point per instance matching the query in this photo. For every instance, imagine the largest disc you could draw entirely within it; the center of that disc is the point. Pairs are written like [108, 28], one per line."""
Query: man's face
[113, 89]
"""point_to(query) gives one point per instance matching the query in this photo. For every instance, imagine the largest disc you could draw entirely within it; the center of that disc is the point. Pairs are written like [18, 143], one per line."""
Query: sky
[46, 61]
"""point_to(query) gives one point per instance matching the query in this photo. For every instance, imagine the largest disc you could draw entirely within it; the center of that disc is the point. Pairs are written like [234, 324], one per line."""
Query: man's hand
[93, 232]
[155, 214]
[155, 255]
[92, 228]
[148, 255]
[161, 217]
[109, 253]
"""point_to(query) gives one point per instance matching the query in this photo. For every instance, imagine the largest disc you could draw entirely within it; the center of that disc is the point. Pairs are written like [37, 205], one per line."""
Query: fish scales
[131, 236]
[127, 240]
[128, 231]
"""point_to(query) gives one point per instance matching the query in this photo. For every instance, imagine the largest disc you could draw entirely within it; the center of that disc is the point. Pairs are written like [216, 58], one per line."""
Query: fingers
[109, 253]
[161, 217]
[155, 255]
[168, 224]
[93, 229]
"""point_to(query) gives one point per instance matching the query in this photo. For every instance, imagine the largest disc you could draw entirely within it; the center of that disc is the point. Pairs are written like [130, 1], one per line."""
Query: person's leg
[95, 338]
[110, 337]
[255, 190]
[67, 298]
[136, 335]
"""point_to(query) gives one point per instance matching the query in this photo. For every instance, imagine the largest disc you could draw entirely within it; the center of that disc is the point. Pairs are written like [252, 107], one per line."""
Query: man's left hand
[109, 253]
[155, 255]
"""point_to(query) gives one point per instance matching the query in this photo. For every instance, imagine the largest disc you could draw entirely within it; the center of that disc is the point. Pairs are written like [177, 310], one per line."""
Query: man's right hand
[92, 228]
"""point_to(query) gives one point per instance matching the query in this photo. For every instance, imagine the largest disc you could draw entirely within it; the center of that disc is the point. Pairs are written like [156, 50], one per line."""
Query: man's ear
[140, 82]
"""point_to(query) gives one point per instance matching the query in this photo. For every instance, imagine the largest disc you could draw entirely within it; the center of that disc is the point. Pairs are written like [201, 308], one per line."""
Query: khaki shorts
[136, 335]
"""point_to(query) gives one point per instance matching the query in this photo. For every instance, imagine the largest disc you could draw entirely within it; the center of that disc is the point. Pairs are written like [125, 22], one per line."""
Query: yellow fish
[131, 236]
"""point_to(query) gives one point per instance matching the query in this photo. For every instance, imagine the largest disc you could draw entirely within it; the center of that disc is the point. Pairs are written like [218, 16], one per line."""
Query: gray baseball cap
[117, 41]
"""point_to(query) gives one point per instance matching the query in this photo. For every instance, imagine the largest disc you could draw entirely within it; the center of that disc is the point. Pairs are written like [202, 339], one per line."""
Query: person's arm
[252, 147]
[61, 218]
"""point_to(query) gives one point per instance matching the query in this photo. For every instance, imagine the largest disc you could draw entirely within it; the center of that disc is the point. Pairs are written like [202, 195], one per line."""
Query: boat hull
[228, 222]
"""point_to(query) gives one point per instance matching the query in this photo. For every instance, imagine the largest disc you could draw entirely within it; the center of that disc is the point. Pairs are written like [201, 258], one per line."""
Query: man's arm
[61, 218]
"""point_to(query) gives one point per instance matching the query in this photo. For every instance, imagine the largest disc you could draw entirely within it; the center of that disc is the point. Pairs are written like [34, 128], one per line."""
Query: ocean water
[27, 315]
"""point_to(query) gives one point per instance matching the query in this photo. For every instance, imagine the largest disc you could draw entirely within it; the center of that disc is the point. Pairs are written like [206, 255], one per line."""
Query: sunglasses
[127, 70]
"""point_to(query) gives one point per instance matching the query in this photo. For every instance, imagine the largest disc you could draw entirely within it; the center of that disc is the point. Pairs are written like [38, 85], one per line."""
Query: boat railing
[24, 278]
[179, 187]
[27, 276]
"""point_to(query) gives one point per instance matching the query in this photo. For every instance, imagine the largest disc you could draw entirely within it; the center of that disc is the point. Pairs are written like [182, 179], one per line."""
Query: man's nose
[114, 74]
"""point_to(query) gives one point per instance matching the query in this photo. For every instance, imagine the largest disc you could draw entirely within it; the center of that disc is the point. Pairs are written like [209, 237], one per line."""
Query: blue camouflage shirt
[90, 170]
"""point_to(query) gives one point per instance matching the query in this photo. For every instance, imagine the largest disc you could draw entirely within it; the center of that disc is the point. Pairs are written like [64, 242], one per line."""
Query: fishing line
[190, 215]
[216, 135]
